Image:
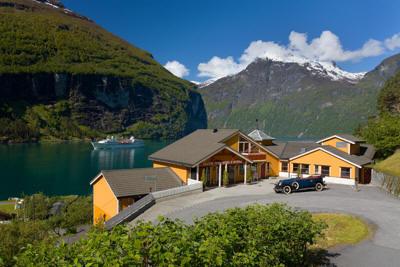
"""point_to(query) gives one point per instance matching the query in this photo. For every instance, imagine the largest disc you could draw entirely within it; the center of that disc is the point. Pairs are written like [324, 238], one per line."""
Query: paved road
[371, 203]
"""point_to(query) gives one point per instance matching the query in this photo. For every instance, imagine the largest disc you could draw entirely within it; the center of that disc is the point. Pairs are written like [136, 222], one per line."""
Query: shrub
[258, 235]
[225, 178]
[17, 235]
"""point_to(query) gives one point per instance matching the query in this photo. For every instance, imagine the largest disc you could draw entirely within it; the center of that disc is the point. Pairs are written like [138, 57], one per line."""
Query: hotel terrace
[208, 154]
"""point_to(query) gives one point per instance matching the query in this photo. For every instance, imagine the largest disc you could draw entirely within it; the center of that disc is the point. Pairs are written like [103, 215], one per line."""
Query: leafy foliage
[258, 235]
[34, 223]
[17, 235]
[384, 131]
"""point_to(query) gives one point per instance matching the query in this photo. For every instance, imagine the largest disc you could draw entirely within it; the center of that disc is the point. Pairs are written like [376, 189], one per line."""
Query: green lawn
[8, 208]
[343, 229]
[391, 165]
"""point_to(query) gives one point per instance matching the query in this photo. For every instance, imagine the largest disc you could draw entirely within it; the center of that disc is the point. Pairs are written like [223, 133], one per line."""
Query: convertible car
[288, 186]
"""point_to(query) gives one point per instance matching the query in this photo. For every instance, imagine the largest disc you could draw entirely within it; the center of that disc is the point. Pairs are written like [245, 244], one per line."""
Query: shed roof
[194, 147]
[131, 182]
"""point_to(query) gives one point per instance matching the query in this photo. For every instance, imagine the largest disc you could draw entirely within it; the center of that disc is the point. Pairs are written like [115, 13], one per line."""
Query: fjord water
[63, 169]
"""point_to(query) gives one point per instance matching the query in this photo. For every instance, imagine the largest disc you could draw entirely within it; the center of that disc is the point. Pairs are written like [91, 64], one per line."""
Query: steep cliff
[63, 76]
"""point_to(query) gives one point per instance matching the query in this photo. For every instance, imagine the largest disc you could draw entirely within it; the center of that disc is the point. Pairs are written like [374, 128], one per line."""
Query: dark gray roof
[290, 149]
[259, 135]
[367, 151]
[194, 147]
[133, 182]
[359, 160]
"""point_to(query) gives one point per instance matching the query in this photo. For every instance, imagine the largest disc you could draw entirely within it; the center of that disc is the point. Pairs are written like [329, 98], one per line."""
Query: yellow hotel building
[208, 154]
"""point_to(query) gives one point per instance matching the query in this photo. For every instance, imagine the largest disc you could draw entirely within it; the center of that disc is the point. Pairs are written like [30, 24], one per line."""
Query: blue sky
[193, 32]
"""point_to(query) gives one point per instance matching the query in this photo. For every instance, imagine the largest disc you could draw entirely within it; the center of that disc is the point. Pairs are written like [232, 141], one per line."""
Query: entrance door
[366, 178]
[262, 176]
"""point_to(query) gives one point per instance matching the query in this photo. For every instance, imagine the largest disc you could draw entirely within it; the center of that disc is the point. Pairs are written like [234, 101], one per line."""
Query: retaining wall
[387, 182]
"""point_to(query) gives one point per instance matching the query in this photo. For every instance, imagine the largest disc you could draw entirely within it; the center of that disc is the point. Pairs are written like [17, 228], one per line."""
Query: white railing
[192, 185]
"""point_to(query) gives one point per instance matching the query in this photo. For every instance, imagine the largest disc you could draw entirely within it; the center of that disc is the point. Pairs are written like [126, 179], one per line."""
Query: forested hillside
[63, 76]
[384, 130]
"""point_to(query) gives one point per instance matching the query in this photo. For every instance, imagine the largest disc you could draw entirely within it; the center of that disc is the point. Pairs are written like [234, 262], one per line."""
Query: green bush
[225, 178]
[258, 235]
[17, 235]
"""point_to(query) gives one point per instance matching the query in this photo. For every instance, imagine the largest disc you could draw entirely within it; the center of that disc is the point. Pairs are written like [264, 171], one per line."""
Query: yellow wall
[322, 158]
[274, 165]
[332, 142]
[233, 142]
[181, 171]
[105, 204]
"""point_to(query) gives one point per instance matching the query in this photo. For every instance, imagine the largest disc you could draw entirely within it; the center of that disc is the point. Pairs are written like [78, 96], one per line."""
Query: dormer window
[247, 147]
[341, 144]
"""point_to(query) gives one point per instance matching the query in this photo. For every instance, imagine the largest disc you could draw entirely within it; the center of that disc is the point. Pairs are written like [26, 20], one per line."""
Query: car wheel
[287, 190]
[296, 186]
[319, 187]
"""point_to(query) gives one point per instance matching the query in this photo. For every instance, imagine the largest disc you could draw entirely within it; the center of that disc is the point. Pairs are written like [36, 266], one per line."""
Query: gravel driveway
[370, 203]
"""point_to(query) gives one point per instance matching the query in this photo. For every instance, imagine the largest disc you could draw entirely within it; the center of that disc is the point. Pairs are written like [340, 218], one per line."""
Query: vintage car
[288, 186]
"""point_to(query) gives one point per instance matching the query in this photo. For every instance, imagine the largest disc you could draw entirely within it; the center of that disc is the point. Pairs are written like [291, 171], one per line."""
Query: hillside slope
[295, 100]
[64, 76]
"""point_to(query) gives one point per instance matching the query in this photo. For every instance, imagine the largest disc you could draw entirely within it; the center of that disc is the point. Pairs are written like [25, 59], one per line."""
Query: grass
[7, 208]
[391, 165]
[343, 229]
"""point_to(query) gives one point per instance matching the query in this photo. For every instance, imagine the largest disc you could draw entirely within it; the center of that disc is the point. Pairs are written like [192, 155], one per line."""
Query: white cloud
[219, 67]
[325, 48]
[177, 68]
[393, 42]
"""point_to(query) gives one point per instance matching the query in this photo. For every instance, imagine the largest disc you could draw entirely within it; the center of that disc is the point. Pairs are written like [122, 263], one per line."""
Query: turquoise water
[62, 169]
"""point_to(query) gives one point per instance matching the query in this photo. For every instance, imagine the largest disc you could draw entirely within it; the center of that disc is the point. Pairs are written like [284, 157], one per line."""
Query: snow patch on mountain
[324, 69]
[207, 82]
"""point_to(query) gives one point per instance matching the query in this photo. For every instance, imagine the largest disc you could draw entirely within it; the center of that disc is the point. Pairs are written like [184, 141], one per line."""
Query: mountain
[297, 98]
[63, 76]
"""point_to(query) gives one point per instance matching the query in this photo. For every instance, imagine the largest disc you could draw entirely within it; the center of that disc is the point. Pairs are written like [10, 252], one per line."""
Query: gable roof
[259, 135]
[131, 182]
[358, 161]
[345, 137]
[196, 147]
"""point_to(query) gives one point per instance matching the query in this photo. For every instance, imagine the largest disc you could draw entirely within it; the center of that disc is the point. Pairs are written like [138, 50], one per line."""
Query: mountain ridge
[289, 100]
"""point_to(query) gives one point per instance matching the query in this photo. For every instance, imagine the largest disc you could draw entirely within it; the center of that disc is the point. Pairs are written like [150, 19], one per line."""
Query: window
[284, 166]
[325, 170]
[244, 147]
[305, 169]
[345, 172]
[316, 169]
[341, 144]
[296, 167]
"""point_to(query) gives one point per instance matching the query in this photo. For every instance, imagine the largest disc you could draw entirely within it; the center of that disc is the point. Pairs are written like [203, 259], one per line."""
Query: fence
[149, 200]
[388, 182]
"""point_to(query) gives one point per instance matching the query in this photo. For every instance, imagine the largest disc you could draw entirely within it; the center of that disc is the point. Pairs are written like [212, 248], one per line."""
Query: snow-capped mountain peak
[327, 69]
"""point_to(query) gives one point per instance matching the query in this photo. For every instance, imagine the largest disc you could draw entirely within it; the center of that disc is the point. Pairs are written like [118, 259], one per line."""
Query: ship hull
[136, 144]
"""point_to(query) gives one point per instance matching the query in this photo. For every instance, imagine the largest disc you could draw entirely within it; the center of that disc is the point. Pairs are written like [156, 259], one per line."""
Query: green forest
[383, 131]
